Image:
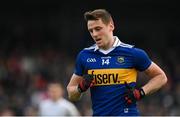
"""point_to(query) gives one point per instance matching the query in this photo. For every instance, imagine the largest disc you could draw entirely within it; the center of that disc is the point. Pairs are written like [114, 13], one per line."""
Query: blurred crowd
[24, 79]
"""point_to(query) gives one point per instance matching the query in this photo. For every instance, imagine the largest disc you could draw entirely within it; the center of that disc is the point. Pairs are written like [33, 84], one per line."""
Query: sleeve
[142, 60]
[79, 68]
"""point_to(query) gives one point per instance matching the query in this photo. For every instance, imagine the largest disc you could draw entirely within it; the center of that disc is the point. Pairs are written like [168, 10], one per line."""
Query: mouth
[98, 39]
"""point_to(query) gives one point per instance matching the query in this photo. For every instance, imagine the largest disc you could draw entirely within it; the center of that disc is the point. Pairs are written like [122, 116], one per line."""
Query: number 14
[105, 62]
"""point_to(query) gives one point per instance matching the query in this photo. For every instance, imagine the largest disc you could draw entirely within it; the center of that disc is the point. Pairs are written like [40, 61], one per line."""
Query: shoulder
[90, 48]
[125, 45]
[87, 50]
[130, 47]
[138, 51]
[45, 102]
[125, 48]
[67, 103]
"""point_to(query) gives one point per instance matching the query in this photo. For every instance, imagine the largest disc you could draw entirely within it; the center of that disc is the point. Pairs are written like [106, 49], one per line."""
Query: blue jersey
[110, 71]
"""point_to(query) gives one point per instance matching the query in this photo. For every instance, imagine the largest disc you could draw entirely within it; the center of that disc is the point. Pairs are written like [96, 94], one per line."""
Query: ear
[111, 26]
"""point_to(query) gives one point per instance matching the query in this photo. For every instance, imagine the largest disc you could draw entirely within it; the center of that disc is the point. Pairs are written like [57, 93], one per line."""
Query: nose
[94, 33]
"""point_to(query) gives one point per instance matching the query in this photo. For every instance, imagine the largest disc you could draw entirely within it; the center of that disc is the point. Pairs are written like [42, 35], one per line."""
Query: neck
[109, 44]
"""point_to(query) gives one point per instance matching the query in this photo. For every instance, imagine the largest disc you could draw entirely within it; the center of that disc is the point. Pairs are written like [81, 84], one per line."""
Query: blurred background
[39, 41]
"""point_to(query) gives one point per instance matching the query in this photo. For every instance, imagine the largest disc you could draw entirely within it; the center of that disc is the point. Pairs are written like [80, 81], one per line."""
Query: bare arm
[158, 79]
[73, 93]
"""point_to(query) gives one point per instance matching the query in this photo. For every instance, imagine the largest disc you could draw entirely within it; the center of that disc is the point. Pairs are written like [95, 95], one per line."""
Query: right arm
[73, 93]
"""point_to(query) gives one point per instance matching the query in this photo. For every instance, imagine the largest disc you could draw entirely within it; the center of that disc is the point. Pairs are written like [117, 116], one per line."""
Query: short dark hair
[97, 14]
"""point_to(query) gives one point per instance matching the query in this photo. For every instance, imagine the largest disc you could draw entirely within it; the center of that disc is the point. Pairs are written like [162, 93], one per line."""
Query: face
[55, 91]
[100, 32]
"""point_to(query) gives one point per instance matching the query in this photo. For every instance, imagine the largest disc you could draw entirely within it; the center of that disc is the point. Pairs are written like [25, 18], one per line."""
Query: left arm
[157, 79]
[153, 71]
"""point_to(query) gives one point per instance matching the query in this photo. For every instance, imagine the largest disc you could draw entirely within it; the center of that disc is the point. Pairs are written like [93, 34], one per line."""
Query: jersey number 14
[105, 61]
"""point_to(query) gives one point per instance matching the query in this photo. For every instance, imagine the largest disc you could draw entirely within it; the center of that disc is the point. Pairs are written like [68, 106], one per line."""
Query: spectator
[56, 104]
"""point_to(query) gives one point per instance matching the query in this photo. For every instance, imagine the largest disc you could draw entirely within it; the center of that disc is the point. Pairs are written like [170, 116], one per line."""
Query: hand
[132, 94]
[85, 83]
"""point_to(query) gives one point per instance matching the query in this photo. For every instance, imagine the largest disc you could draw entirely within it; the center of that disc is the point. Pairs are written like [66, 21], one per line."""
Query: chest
[112, 60]
[54, 109]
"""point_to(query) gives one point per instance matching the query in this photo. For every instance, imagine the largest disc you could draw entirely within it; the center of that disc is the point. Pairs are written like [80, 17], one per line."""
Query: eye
[98, 28]
[91, 30]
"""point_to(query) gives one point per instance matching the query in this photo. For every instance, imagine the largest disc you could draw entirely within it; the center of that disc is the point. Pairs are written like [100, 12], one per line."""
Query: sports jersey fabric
[111, 68]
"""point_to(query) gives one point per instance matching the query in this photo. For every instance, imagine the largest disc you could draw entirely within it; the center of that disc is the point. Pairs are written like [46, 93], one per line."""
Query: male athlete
[109, 68]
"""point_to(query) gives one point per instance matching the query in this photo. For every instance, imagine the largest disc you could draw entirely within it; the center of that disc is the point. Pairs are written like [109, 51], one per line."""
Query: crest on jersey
[120, 59]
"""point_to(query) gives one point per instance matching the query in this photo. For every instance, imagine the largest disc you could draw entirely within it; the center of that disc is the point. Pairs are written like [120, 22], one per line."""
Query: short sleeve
[79, 65]
[142, 60]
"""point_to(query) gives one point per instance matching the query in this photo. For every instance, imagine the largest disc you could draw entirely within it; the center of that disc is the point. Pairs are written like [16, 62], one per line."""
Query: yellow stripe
[113, 76]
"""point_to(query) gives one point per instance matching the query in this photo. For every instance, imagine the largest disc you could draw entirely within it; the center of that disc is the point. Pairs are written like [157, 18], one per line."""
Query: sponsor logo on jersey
[113, 76]
[91, 60]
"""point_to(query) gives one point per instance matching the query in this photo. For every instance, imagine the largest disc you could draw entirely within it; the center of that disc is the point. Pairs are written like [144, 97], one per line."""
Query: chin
[100, 45]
